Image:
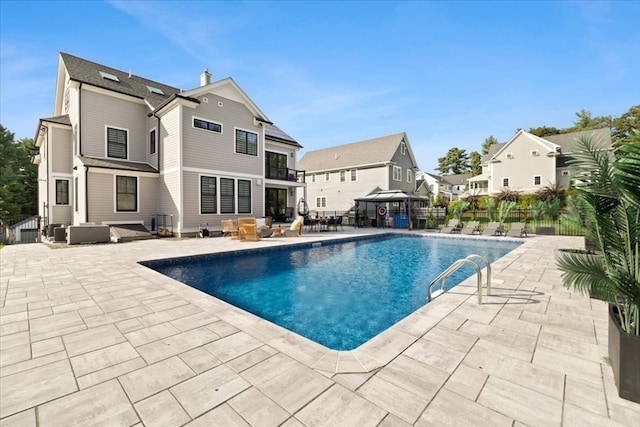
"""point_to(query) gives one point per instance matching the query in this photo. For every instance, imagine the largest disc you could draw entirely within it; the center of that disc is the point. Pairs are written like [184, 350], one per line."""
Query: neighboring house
[338, 175]
[430, 185]
[457, 184]
[449, 187]
[124, 149]
[528, 163]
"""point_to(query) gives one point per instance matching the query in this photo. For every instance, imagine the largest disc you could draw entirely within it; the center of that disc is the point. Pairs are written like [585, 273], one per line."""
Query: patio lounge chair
[230, 228]
[492, 229]
[470, 228]
[452, 227]
[248, 229]
[517, 229]
[295, 230]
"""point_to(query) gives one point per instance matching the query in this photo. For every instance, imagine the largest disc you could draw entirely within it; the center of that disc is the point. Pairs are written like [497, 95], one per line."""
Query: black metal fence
[533, 223]
[20, 229]
[434, 218]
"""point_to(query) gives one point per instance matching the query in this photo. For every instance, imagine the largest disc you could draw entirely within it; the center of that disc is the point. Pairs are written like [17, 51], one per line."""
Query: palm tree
[609, 208]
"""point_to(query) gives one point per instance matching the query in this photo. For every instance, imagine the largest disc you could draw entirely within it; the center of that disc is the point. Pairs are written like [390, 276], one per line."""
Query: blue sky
[450, 74]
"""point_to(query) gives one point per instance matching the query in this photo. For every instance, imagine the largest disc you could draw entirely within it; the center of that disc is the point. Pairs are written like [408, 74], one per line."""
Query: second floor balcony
[284, 174]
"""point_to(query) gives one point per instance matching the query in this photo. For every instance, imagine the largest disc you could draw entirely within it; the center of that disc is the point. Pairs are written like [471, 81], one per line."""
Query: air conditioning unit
[535, 153]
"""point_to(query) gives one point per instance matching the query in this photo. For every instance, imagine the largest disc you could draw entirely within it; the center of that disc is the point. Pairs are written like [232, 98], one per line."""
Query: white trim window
[354, 175]
[537, 180]
[343, 176]
[409, 176]
[246, 142]
[126, 193]
[62, 191]
[225, 195]
[403, 148]
[244, 196]
[206, 125]
[321, 201]
[152, 141]
[117, 142]
[505, 182]
[208, 195]
[397, 173]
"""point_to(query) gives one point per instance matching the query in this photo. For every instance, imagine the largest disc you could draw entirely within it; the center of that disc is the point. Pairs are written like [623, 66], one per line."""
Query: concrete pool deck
[90, 337]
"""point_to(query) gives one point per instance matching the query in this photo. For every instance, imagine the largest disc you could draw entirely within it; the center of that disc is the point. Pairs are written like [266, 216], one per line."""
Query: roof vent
[205, 78]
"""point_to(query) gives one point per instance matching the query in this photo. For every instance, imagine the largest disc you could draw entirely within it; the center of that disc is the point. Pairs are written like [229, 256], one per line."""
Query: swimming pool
[339, 294]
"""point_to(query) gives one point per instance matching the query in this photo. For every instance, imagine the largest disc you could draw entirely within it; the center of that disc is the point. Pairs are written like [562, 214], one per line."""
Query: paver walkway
[90, 337]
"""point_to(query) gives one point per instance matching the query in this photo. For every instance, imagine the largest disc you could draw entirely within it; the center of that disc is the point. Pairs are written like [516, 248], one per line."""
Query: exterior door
[276, 203]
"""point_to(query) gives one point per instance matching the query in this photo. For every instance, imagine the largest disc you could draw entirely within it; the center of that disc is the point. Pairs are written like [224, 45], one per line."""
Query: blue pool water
[337, 294]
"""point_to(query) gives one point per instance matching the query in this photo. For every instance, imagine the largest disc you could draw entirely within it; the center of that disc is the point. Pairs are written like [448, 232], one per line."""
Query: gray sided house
[338, 175]
[122, 149]
[528, 163]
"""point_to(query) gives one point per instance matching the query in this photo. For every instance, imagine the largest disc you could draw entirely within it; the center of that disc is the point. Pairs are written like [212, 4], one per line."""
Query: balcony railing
[285, 174]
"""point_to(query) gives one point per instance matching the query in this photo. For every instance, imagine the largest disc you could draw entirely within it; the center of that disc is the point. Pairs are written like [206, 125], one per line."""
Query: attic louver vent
[109, 76]
[155, 90]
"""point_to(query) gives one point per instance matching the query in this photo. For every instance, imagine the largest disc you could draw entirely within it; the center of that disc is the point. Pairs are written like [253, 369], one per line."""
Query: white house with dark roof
[122, 149]
[337, 175]
[449, 187]
[528, 162]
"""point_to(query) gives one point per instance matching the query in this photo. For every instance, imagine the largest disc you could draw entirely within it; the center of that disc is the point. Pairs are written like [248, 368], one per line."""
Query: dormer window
[108, 76]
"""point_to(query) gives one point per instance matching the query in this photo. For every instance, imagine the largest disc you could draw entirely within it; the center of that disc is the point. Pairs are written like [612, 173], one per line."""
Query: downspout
[86, 169]
[47, 211]
[86, 193]
[158, 159]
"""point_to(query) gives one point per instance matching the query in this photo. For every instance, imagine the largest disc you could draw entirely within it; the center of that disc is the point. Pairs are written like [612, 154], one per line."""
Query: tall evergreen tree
[18, 176]
[455, 161]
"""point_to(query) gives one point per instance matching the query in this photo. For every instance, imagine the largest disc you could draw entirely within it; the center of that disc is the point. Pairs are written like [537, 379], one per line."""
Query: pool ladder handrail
[431, 295]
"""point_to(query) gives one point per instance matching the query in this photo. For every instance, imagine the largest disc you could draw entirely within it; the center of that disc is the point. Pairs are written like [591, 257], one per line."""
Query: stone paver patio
[90, 337]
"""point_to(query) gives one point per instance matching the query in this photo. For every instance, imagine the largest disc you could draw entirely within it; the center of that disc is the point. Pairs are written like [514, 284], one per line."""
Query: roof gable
[547, 146]
[375, 151]
[228, 88]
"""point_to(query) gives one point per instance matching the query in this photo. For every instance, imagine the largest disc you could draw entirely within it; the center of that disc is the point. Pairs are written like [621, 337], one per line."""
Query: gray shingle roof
[458, 179]
[274, 133]
[493, 149]
[369, 152]
[62, 120]
[88, 72]
[566, 140]
[117, 164]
